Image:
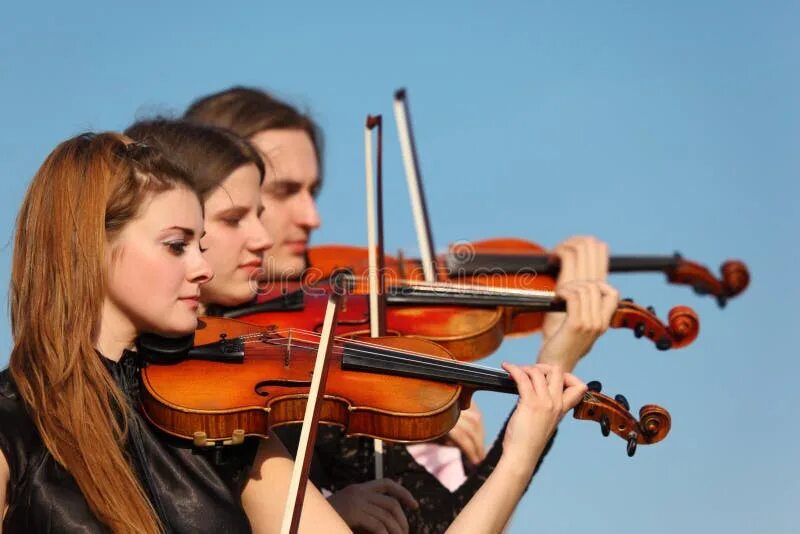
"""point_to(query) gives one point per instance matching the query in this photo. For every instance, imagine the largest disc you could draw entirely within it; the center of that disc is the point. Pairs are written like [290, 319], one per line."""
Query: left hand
[590, 306]
[582, 258]
[545, 395]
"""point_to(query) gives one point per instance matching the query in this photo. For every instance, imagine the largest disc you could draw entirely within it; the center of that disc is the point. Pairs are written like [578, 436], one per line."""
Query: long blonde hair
[85, 192]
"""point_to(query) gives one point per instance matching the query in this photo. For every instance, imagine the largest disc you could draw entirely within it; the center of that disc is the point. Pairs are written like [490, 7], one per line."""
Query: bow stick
[308, 434]
[417, 195]
[377, 287]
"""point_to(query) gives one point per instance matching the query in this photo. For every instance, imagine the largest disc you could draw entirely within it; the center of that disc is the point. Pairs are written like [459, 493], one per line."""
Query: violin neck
[414, 296]
[387, 361]
[485, 263]
[642, 264]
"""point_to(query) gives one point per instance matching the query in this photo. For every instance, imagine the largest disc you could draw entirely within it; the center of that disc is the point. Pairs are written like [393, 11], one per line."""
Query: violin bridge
[201, 439]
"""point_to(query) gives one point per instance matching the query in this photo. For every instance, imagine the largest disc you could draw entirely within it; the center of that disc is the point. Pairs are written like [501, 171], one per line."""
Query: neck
[116, 332]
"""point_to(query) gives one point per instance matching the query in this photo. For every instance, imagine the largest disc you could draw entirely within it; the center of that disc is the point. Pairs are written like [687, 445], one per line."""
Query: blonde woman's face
[156, 268]
[235, 239]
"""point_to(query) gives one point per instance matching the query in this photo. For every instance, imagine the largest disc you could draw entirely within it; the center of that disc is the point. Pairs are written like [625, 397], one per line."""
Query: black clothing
[340, 461]
[188, 491]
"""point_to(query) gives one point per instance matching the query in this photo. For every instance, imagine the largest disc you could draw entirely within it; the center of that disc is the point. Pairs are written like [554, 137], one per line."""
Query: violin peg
[651, 310]
[595, 386]
[620, 398]
[639, 330]
[700, 289]
[722, 300]
[664, 343]
[605, 426]
[632, 442]
[627, 300]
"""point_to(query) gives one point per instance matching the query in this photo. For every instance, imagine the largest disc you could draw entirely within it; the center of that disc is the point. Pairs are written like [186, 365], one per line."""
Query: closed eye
[177, 247]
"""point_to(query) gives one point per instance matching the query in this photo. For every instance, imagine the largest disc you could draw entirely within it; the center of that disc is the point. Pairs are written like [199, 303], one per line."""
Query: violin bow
[308, 434]
[417, 195]
[377, 287]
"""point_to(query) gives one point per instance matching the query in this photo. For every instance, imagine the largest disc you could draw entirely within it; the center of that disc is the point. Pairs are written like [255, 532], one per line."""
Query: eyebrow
[291, 181]
[233, 210]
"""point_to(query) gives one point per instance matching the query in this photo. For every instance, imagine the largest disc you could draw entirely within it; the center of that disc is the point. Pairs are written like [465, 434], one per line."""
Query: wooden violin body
[468, 333]
[392, 388]
[269, 388]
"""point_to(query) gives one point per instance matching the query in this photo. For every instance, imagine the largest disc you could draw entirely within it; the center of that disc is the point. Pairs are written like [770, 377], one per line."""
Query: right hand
[545, 394]
[374, 507]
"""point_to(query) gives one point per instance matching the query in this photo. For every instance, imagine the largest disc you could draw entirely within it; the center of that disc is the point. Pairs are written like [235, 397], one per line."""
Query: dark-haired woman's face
[235, 239]
[155, 267]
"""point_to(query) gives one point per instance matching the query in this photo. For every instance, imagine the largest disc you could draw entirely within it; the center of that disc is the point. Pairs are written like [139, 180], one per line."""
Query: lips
[193, 300]
[297, 246]
[251, 266]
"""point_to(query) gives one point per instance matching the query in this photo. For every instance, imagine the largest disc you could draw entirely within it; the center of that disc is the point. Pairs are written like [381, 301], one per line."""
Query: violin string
[374, 350]
[429, 364]
[478, 290]
[354, 343]
[458, 287]
[386, 354]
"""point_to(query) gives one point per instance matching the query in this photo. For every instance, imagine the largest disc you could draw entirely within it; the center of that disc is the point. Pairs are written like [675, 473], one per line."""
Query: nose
[260, 240]
[199, 271]
[306, 214]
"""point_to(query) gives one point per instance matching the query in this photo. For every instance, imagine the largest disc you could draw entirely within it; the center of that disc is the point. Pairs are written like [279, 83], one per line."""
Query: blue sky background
[656, 126]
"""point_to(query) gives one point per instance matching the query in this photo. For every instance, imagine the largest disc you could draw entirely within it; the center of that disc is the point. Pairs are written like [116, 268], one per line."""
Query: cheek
[222, 251]
[142, 280]
[275, 218]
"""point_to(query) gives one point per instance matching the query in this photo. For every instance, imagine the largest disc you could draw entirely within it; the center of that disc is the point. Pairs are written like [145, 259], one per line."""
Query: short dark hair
[247, 111]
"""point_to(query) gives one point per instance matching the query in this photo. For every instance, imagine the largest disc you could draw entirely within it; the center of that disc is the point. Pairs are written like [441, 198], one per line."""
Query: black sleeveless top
[189, 491]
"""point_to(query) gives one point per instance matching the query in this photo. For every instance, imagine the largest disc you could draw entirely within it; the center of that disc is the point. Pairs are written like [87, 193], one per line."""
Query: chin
[290, 267]
[235, 297]
[178, 328]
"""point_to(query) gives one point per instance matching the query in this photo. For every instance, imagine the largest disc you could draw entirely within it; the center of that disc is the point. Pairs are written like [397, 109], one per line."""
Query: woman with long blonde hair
[107, 247]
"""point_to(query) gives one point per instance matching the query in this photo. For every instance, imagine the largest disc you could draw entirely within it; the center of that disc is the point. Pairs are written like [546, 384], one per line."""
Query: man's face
[288, 194]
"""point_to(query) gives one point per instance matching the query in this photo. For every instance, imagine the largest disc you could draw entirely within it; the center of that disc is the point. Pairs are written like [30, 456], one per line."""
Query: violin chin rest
[158, 348]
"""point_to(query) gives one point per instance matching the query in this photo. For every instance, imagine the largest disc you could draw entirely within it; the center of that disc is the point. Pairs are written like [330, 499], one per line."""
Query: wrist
[564, 360]
[516, 470]
[521, 463]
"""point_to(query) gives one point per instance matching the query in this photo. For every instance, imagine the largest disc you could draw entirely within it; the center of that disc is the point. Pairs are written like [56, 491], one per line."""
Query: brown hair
[247, 111]
[208, 154]
[83, 195]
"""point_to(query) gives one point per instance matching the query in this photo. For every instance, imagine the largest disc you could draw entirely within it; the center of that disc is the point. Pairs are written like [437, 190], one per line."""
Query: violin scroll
[734, 280]
[614, 416]
[681, 330]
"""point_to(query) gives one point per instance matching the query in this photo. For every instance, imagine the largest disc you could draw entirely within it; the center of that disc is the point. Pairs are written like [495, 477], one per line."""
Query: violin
[520, 264]
[470, 322]
[393, 388]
